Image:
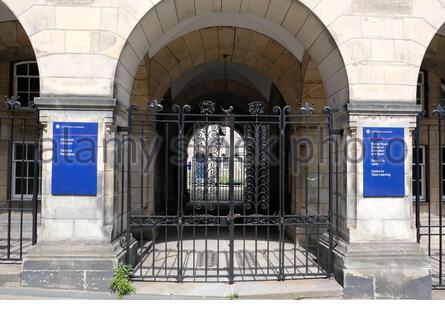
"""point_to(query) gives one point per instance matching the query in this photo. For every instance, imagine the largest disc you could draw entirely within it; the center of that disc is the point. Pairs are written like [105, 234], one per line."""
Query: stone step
[84, 266]
[10, 274]
[290, 289]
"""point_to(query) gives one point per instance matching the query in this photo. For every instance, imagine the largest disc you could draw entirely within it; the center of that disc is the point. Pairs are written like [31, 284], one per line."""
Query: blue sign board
[384, 162]
[74, 165]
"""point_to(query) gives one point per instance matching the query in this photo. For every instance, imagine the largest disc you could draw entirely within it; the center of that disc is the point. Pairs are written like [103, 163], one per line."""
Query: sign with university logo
[74, 165]
[384, 162]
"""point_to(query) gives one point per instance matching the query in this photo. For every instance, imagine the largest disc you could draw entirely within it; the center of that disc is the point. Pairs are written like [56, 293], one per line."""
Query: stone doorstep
[80, 249]
[82, 266]
[71, 284]
[32, 293]
[387, 255]
[289, 289]
[10, 274]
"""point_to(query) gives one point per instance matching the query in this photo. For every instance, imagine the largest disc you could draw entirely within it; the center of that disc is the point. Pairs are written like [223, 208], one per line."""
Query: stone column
[74, 249]
[378, 256]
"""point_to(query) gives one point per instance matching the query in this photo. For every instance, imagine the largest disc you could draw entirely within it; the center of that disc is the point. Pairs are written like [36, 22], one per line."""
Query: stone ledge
[72, 102]
[384, 108]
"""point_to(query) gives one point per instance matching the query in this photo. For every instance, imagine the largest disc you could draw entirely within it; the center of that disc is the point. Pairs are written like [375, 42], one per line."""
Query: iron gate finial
[12, 103]
[439, 111]
[155, 105]
[307, 109]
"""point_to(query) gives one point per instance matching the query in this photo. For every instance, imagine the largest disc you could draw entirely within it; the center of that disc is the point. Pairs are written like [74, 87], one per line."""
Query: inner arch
[294, 27]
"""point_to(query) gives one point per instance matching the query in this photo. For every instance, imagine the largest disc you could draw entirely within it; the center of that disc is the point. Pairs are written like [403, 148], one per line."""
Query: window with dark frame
[422, 173]
[26, 83]
[23, 171]
[420, 100]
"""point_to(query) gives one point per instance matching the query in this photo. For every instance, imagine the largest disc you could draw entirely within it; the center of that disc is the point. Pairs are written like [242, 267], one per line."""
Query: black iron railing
[227, 196]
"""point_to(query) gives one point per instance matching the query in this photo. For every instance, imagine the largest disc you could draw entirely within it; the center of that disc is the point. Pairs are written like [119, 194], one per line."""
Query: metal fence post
[129, 157]
[328, 112]
[440, 113]
[36, 173]
[231, 197]
[416, 135]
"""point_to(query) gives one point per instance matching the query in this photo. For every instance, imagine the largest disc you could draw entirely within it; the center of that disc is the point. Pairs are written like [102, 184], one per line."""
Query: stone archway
[289, 23]
[19, 78]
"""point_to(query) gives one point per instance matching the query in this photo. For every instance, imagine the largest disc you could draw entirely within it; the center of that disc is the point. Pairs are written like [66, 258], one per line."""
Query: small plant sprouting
[234, 296]
[297, 298]
[121, 283]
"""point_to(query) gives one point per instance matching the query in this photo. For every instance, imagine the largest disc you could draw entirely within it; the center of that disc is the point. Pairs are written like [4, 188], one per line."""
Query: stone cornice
[380, 108]
[75, 103]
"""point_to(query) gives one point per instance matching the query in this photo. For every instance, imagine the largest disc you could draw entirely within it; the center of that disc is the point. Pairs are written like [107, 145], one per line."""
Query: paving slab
[292, 289]
[301, 289]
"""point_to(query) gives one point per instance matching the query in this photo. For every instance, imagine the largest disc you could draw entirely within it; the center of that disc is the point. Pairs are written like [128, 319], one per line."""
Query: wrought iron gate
[227, 197]
[19, 151]
[429, 189]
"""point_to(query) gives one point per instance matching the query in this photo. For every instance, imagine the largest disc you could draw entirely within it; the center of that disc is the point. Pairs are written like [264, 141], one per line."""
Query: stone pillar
[378, 256]
[74, 249]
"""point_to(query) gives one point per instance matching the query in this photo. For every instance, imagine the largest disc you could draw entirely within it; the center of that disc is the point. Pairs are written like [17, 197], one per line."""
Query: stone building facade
[377, 63]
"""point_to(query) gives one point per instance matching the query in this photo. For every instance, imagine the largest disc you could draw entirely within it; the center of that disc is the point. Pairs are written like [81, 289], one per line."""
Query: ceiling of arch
[6, 14]
[434, 59]
[218, 71]
[216, 88]
[246, 47]
[294, 22]
[12, 35]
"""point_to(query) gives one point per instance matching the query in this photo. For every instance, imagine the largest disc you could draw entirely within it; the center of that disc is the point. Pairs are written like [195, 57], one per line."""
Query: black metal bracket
[337, 132]
[122, 129]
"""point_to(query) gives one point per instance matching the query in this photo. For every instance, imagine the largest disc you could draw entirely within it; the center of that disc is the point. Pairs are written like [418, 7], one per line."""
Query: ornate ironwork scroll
[256, 144]
[206, 149]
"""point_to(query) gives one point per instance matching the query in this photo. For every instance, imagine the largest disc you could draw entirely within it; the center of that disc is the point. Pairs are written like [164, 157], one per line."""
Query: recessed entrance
[222, 210]
[234, 186]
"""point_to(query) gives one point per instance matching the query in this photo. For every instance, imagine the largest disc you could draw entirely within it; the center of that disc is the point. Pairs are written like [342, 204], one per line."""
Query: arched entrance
[211, 84]
[429, 157]
[20, 177]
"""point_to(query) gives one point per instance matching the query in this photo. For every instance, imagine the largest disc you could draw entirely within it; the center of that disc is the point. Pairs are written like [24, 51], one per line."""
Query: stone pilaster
[378, 256]
[74, 249]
